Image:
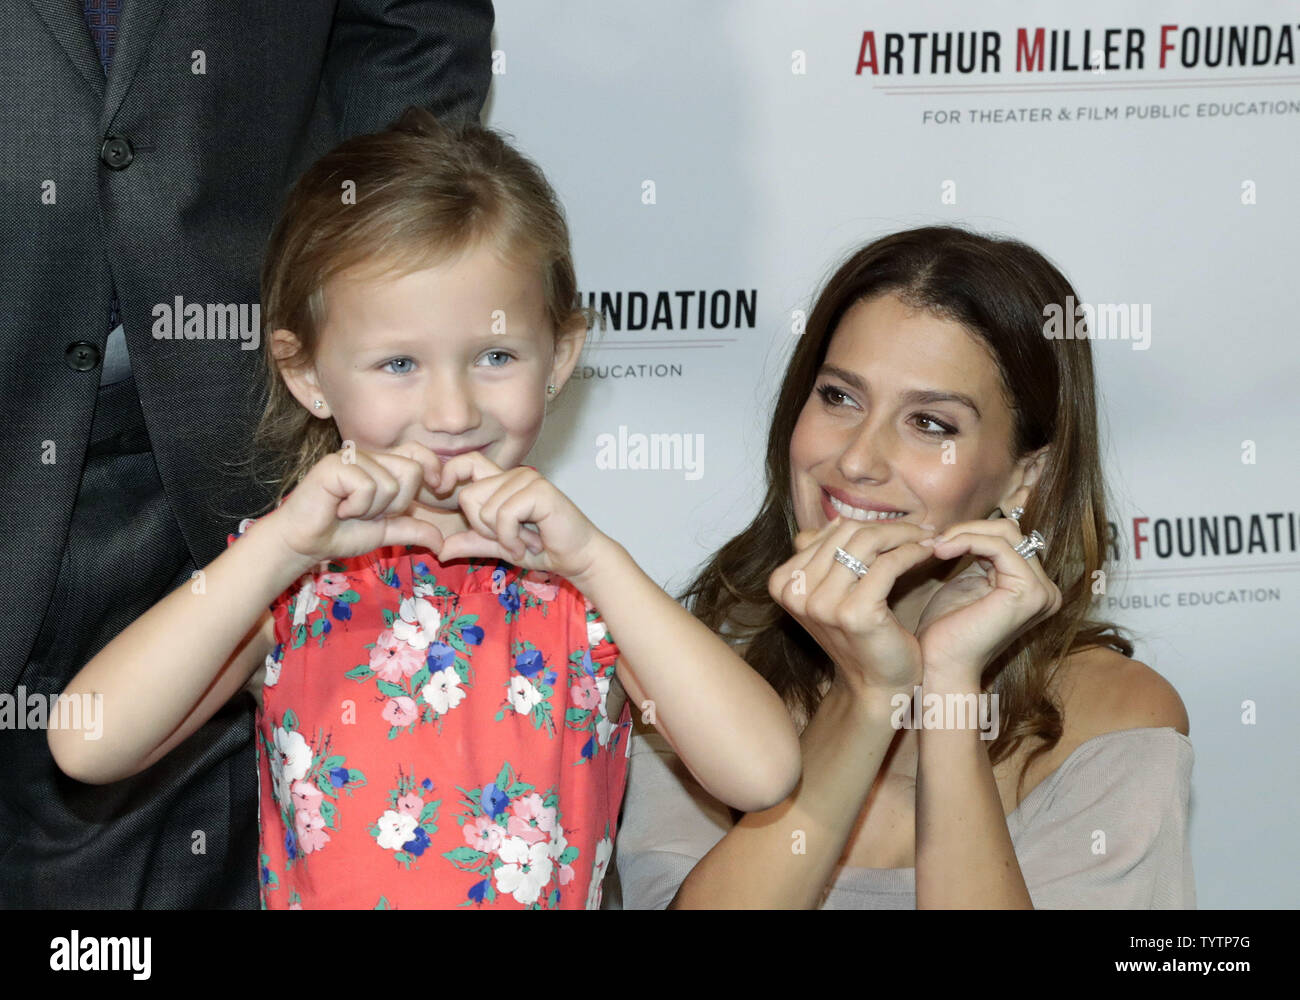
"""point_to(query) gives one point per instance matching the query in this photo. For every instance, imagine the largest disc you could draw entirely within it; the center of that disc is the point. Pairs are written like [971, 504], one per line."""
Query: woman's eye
[397, 361]
[831, 395]
[943, 431]
[503, 355]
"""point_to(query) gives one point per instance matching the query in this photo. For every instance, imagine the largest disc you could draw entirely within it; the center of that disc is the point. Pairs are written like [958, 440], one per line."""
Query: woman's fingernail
[930, 527]
[929, 542]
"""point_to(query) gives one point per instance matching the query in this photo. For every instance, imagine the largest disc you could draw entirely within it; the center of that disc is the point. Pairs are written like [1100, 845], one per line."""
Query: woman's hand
[980, 611]
[850, 616]
[518, 516]
[346, 508]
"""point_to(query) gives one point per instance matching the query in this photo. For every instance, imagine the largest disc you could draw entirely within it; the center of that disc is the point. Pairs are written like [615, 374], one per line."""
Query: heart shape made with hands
[431, 507]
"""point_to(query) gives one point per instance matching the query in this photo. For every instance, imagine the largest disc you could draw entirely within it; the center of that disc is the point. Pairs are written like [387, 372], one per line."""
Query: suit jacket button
[116, 152]
[81, 356]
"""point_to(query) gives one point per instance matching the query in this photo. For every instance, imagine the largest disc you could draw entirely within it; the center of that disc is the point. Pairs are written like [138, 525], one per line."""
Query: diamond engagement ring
[1030, 546]
[858, 567]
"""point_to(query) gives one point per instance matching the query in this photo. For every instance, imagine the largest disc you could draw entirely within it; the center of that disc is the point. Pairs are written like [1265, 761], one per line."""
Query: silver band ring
[1030, 546]
[858, 567]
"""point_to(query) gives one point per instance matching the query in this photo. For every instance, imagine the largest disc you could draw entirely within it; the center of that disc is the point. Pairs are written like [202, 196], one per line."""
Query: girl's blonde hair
[387, 204]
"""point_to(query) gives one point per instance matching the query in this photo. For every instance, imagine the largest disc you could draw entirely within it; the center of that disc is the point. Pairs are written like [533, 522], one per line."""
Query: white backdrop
[769, 156]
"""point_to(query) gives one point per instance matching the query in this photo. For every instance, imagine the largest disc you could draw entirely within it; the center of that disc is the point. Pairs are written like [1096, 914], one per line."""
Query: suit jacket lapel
[66, 21]
[136, 26]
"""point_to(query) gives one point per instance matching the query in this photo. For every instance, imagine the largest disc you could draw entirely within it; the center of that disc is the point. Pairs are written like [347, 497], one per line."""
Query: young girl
[443, 718]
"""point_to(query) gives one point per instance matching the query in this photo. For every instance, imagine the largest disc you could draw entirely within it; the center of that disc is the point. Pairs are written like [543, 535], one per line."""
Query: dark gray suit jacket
[169, 180]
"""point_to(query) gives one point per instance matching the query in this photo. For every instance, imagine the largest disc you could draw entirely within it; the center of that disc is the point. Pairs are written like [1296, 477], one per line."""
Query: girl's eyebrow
[910, 396]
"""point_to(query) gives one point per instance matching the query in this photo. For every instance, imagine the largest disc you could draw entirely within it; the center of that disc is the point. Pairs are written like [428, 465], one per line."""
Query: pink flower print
[410, 804]
[392, 659]
[525, 831]
[566, 874]
[311, 831]
[585, 694]
[484, 835]
[306, 797]
[332, 584]
[531, 821]
[419, 623]
[587, 605]
[400, 711]
[540, 585]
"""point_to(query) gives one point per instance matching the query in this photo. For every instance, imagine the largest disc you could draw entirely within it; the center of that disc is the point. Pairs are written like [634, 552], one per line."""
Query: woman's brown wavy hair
[422, 192]
[997, 289]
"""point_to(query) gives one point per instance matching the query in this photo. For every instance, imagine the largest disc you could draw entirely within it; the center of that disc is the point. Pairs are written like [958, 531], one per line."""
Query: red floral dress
[435, 736]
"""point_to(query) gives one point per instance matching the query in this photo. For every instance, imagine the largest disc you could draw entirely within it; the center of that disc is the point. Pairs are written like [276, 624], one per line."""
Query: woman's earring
[1016, 513]
[550, 390]
[319, 404]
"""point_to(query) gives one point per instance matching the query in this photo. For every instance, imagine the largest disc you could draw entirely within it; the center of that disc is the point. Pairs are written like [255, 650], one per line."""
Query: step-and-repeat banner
[716, 160]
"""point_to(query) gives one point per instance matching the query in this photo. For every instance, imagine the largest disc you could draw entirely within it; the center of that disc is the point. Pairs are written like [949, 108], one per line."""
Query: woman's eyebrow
[911, 396]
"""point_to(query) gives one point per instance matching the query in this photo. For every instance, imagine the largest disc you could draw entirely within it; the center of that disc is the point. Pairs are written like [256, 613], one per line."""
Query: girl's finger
[407, 530]
[469, 467]
[510, 513]
[386, 486]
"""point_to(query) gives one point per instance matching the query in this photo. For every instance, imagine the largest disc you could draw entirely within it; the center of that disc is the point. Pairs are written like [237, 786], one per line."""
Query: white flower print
[523, 696]
[418, 624]
[395, 829]
[306, 602]
[525, 871]
[443, 691]
[604, 848]
[292, 760]
[272, 671]
[603, 728]
[596, 631]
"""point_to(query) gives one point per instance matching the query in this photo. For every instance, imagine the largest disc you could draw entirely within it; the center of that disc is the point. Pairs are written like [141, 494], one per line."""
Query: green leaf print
[361, 672]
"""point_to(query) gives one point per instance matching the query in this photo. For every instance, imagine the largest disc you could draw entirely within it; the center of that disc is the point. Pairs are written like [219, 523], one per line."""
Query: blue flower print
[493, 800]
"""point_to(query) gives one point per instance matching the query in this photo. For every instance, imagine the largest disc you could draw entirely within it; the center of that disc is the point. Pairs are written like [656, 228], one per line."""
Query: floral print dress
[436, 736]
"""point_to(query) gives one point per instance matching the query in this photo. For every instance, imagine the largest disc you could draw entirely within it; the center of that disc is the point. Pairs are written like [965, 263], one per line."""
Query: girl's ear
[286, 349]
[568, 347]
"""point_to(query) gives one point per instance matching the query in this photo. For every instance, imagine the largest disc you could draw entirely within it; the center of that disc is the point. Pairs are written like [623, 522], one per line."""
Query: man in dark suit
[150, 144]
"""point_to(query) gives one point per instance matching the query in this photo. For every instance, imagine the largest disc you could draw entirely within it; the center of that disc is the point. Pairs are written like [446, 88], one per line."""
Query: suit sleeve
[385, 55]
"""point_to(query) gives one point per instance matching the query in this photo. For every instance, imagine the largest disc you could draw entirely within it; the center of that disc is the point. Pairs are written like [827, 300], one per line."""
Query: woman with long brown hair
[918, 586]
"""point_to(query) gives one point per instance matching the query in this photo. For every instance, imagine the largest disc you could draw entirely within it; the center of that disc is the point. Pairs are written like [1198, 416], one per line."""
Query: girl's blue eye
[396, 361]
[505, 355]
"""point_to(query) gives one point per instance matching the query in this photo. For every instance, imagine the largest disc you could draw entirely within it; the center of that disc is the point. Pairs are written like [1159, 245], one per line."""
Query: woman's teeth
[856, 514]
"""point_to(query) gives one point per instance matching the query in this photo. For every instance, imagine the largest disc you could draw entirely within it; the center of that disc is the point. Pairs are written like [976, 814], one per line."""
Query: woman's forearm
[721, 718]
[964, 855]
[783, 857]
[154, 673]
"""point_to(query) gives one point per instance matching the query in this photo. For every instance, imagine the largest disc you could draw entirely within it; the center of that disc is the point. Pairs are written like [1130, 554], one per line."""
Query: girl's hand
[517, 516]
[977, 614]
[348, 508]
[850, 616]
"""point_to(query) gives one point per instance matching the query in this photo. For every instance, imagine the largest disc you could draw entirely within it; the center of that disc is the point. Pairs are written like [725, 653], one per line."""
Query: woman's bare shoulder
[1103, 691]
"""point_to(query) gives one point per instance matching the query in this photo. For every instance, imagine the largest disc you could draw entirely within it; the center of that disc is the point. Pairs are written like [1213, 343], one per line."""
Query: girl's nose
[450, 408]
